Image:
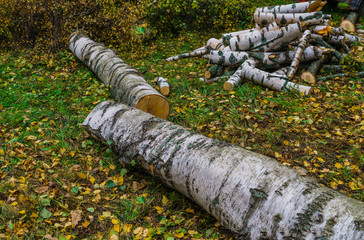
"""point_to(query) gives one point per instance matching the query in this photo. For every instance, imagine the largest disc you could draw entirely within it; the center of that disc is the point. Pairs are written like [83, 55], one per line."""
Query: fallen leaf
[75, 168]
[41, 189]
[75, 217]
[49, 237]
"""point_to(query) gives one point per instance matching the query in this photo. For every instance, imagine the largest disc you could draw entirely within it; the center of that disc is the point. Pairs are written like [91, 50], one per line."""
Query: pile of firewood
[271, 53]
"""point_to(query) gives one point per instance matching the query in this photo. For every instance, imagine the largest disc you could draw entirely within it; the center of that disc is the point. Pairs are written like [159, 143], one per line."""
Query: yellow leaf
[21, 212]
[85, 224]
[127, 227]
[277, 155]
[179, 235]
[191, 232]
[189, 210]
[34, 215]
[338, 165]
[72, 153]
[106, 214]
[82, 175]
[2, 152]
[112, 167]
[286, 142]
[117, 228]
[159, 209]
[306, 164]
[353, 186]
[333, 185]
[210, 135]
[164, 200]
[115, 221]
[320, 159]
[92, 179]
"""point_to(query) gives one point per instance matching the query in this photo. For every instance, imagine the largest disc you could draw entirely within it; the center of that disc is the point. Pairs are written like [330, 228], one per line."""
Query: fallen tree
[126, 84]
[253, 195]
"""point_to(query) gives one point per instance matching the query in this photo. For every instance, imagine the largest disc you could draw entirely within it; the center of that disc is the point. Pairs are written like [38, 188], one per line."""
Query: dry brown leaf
[41, 189]
[75, 168]
[49, 237]
[75, 217]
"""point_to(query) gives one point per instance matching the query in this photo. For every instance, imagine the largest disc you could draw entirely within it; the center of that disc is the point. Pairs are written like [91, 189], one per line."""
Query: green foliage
[176, 15]
[47, 24]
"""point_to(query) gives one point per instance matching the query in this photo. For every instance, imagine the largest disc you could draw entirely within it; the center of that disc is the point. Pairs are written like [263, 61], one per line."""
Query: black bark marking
[117, 115]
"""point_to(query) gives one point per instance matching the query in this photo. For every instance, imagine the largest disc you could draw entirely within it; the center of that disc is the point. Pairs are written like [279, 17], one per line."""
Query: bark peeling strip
[251, 194]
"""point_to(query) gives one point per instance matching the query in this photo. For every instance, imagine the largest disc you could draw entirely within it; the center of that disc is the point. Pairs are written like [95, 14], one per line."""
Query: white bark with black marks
[302, 7]
[267, 41]
[298, 53]
[249, 71]
[283, 19]
[126, 84]
[254, 196]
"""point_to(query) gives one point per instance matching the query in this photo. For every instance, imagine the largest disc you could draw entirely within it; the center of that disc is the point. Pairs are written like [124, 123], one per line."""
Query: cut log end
[308, 77]
[154, 104]
[208, 74]
[165, 90]
[228, 86]
[347, 26]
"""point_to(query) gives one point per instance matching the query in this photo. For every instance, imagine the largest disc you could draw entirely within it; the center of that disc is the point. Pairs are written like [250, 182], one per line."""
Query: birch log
[283, 19]
[302, 7]
[249, 71]
[272, 40]
[126, 84]
[163, 85]
[298, 54]
[267, 60]
[214, 71]
[348, 24]
[309, 75]
[254, 196]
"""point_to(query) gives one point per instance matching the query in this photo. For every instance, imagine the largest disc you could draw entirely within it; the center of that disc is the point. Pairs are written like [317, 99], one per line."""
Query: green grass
[46, 154]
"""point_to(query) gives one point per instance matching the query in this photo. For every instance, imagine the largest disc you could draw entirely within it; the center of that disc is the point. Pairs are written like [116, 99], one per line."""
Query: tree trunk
[309, 75]
[333, 68]
[334, 52]
[126, 84]
[253, 195]
[272, 40]
[302, 7]
[283, 19]
[282, 71]
[298, 53]
[249, 71]
[348, 24]
[163, 85]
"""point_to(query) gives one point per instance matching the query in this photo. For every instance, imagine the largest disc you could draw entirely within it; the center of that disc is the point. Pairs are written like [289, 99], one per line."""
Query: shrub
[212, 15]
[47, 24]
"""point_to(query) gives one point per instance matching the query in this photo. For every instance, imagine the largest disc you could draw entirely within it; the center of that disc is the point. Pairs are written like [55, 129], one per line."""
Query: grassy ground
[57, 182]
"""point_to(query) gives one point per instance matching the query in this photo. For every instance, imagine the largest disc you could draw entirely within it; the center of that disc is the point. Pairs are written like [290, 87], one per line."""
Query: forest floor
[57, 182]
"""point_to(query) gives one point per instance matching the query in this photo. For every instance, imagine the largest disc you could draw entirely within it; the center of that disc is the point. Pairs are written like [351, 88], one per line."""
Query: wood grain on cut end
[165, 90]
[347, 26]
[208, 74]
[308, 77]
[228, 86]
[154, 104]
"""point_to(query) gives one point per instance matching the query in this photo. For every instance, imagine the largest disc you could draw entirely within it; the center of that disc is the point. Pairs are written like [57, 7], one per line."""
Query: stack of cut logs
[285, 35]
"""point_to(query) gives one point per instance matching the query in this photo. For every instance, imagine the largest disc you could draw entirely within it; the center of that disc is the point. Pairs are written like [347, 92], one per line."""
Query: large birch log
[249, 71]
[283, 19]
[126, 84]
[272, 40]
[251, 194]
[348, 24]
[298, 54]
[302, 7]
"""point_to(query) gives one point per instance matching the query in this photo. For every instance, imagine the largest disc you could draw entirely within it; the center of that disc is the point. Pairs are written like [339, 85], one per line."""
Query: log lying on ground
[266, 60]
[302, 7]
[126, 84]
[348, 24]
[272, 40]
[195, 53]
[333, 68]
[249, 71]
[163, 85]
[334, 52]
[298, 53]
[283, 19]
[213, 71]
[309, 75]
[253, 195]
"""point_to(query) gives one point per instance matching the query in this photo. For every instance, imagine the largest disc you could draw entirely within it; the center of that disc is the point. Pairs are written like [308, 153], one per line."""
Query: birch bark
[126, 84]
[253, 195]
